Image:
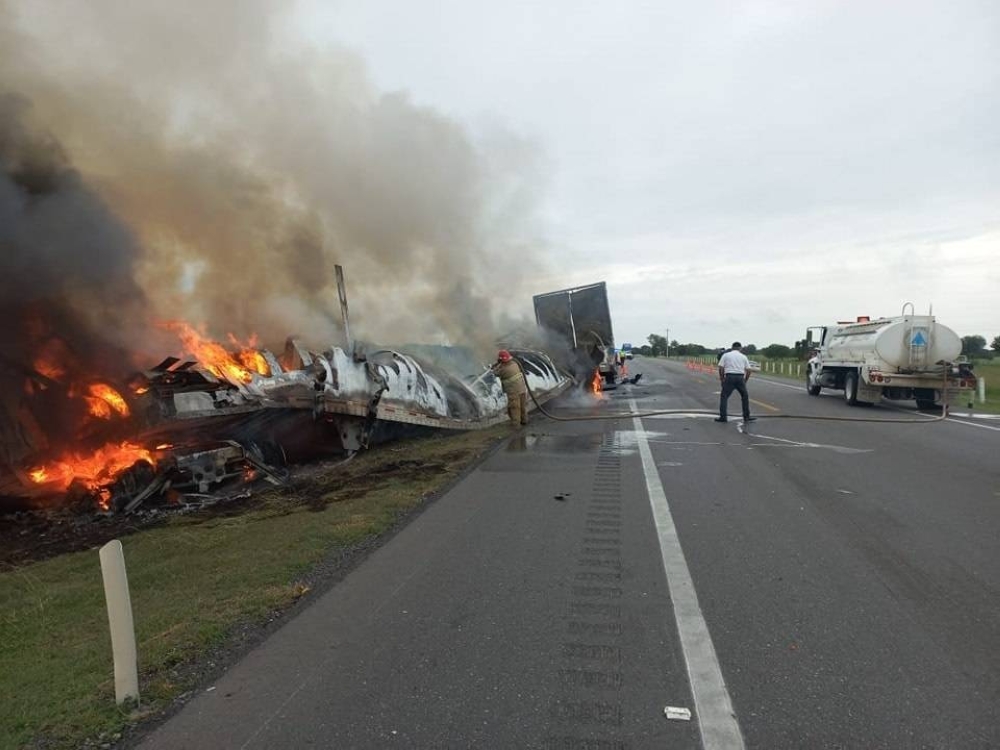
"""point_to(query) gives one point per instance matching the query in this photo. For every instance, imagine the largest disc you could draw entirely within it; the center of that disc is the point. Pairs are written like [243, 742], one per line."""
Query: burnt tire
[851, 388]
[926, 404]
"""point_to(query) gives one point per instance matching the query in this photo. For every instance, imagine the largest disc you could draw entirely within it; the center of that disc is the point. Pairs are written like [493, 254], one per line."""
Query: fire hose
[658, 412]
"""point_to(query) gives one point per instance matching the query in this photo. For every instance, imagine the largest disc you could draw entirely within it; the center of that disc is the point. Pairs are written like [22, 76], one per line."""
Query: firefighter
[514, 385]
[622, 367]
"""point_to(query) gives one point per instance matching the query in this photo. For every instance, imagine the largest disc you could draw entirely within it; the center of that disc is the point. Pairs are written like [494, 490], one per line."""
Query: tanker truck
[909, 357]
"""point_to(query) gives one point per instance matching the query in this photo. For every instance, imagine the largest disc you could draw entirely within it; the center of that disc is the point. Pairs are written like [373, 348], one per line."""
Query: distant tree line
[975, 346]
[657, 347]
[972, 346]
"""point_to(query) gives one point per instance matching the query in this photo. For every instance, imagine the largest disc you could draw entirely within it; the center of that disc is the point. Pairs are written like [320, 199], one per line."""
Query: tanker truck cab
[908, 357]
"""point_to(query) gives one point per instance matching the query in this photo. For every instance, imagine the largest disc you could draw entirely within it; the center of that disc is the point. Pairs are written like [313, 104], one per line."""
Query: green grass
[193, 582]
[990, 371]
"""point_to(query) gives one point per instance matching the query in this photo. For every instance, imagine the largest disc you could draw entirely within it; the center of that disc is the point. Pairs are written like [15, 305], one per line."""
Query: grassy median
[199, 583]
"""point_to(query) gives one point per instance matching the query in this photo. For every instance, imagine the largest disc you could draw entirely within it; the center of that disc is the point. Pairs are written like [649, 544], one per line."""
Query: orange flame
[53, 359]
[251, 343]
[104, 399]
[49, 368]
[595, 384]
[95, 471]
[253, 360]
[249, 356]
[98, 408]
[213, 356]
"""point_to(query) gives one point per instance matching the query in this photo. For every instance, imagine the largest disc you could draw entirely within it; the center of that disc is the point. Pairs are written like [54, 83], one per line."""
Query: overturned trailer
[194, 425]
[353, 392]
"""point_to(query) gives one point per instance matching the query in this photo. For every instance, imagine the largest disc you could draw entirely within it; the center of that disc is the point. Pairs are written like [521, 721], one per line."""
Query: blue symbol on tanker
[918, 339]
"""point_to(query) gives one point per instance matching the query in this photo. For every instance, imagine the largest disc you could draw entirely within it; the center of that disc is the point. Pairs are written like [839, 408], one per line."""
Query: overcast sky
[732, 170]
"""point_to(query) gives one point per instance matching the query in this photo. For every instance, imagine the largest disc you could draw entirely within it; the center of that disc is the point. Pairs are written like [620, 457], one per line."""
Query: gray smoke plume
[242, 166]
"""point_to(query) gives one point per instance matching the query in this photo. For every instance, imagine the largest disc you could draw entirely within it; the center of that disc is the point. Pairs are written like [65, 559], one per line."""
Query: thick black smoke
[66, 261]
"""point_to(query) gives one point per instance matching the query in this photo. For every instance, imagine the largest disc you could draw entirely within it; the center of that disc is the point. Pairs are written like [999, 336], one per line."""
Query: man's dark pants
[734, 382]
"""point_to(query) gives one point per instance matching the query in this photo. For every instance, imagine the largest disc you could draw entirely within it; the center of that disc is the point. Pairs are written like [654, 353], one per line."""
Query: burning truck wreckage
[187, 427]
[186, 431]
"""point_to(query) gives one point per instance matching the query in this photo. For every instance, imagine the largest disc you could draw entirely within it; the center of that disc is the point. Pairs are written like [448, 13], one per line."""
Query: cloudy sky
[731, 169]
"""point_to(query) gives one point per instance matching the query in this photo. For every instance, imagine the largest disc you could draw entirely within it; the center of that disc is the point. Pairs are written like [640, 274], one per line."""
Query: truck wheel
[813, 390]
[851, 389]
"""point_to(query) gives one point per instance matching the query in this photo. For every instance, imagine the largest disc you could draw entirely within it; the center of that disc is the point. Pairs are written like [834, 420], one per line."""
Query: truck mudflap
[957, 394]
[869, 394]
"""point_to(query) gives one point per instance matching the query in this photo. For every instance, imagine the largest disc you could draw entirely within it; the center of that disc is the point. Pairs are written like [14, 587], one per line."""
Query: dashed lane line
[769, 407]
[794, 387]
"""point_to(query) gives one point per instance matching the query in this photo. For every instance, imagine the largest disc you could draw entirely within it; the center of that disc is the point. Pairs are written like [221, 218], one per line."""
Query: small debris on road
[677, 714]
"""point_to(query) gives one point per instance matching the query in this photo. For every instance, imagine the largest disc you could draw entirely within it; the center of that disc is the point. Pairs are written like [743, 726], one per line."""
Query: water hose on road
[632, 414]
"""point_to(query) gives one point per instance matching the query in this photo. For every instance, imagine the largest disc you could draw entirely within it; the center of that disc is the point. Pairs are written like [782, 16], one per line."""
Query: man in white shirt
[734, 372]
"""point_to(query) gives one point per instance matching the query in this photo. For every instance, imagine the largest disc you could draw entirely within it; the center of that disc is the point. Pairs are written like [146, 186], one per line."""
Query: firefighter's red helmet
[503, 355]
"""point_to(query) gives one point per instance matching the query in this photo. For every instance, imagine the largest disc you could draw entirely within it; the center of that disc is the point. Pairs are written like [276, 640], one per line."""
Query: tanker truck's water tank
[916, 342]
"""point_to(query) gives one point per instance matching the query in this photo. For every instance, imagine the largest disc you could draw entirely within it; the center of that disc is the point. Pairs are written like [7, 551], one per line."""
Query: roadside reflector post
[981, 388]
[120, 621]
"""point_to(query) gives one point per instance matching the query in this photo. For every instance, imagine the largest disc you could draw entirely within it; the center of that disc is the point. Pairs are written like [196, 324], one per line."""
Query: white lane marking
[800, 444]
[952, 420]
[951, 417]
[683, 415]
[716, 720]
[797, 387]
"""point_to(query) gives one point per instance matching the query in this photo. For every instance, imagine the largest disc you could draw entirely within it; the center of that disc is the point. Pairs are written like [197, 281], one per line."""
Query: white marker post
[982, 390]
[120, 621]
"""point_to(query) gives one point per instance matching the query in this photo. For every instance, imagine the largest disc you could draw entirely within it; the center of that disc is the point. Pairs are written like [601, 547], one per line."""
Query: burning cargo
[187, 426]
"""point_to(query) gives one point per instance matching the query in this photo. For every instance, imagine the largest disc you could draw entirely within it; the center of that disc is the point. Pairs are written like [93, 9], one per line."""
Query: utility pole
[342, 293]
[668, 342]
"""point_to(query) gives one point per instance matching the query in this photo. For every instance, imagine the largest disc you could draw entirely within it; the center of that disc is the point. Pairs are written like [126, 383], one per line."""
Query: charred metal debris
[199, 433]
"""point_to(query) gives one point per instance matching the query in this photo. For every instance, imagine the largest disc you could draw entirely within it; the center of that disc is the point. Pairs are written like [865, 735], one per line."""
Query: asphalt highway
[797, 584]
